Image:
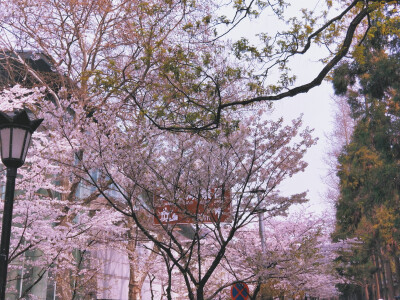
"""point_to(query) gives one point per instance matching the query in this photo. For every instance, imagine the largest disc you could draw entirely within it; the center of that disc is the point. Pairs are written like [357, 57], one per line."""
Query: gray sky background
[316, 106]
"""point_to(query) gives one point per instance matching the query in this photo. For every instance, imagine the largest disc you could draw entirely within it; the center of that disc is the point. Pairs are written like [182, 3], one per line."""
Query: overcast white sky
[316, 106]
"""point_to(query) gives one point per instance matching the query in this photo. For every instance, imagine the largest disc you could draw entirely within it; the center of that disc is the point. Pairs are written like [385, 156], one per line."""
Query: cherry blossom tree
[50, 222]
[138, 170]
[143, 172]
[299, 257]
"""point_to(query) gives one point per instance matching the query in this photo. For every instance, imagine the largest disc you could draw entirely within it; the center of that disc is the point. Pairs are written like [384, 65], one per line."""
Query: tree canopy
[172, 61]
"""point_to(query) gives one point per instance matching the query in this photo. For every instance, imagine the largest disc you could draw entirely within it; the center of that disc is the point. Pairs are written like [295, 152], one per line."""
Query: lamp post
[15, 136]
[260, 213]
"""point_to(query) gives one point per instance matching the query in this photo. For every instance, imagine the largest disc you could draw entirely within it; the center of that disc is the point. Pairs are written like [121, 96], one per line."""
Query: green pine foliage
[369, 166]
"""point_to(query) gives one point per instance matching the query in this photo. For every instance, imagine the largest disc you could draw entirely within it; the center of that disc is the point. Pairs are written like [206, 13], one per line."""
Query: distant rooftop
[12, 71]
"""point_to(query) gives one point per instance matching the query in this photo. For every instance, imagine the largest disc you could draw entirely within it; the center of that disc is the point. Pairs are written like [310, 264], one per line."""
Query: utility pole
[260, 213]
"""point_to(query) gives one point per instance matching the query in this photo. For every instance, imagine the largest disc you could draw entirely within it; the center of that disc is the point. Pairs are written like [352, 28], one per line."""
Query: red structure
[191, 210]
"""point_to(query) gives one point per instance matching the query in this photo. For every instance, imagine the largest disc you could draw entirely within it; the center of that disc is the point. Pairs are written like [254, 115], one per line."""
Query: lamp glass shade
[15, 137]
[18, 141]
[5, 142]
[26, 145]
[14, 144]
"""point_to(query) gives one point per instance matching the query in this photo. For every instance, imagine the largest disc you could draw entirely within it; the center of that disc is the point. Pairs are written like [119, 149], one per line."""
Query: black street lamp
[15, 137]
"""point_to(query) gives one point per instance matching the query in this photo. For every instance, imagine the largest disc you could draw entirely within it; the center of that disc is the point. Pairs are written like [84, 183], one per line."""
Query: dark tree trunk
[383, 275]
[200, 293]
[366, 292]
[395, 258]
[377, 278]
[256, 291]
[389, 275]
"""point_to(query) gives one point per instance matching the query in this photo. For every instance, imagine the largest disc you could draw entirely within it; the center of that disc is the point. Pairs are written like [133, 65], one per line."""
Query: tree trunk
[63, 278]
[377, 278]
[134, 287]
[151, 279]
[200, 293]
[64, 290]
[389, 275]
[137, 276]
[256, 290]
[366, 292]
[395, 258]
[384, 280]
[373, 287]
